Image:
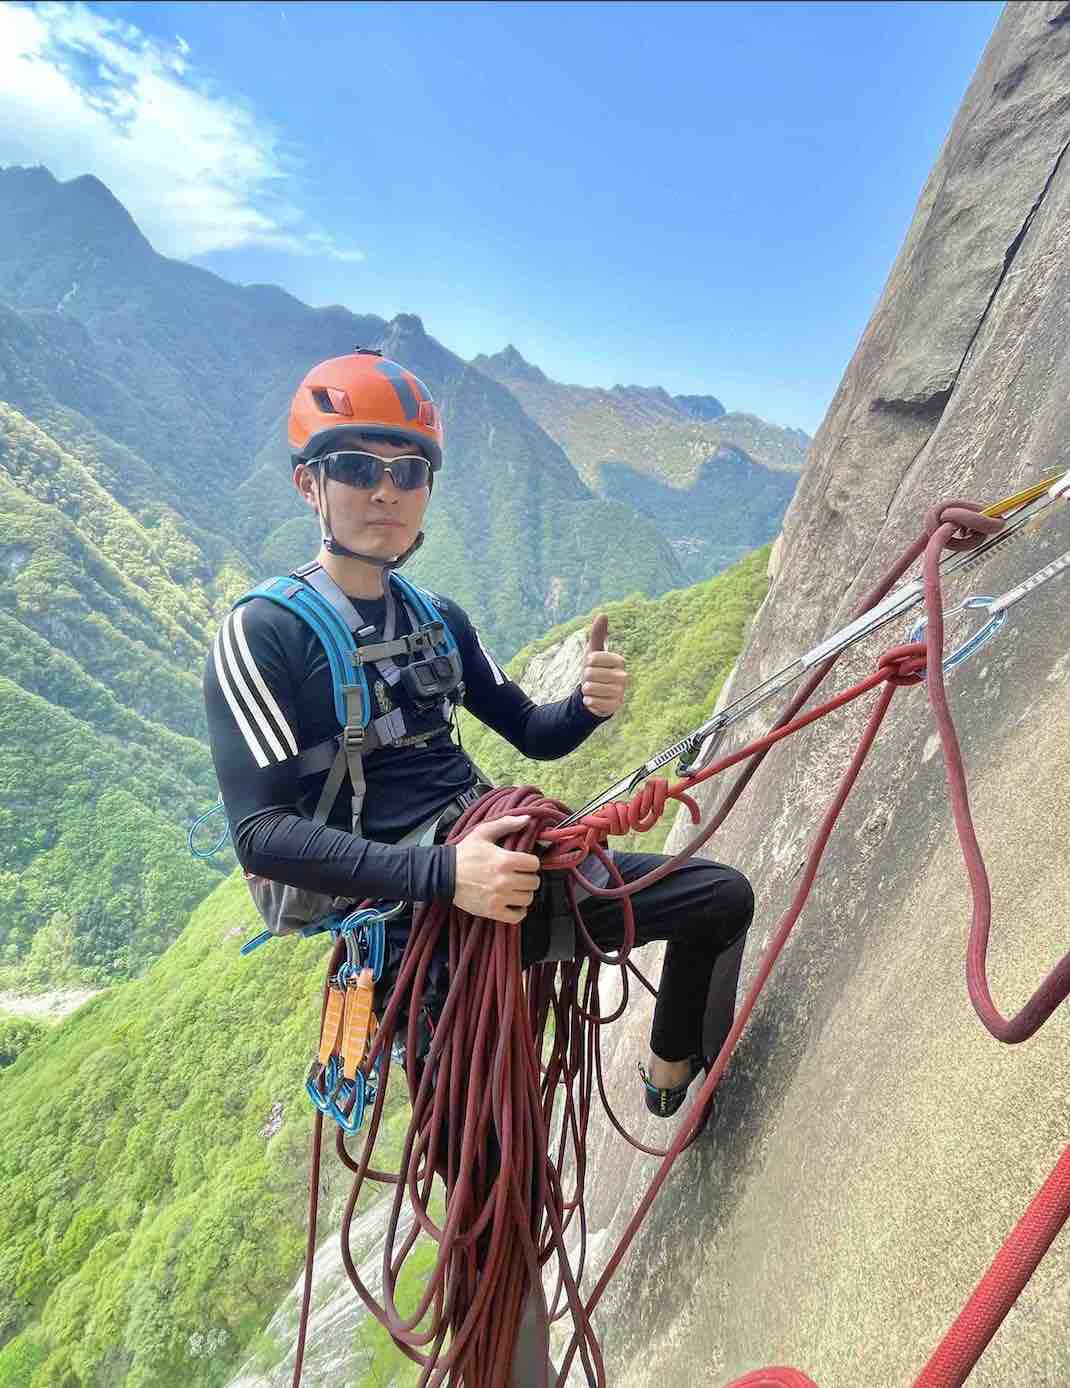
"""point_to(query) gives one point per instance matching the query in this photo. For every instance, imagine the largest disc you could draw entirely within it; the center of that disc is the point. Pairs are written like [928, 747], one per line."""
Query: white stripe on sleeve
[234, 669]
[258, 680]
[259, 755]
[499, 678]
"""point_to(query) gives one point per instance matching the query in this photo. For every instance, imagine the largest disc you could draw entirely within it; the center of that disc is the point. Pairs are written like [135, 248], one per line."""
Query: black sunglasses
[356, 469]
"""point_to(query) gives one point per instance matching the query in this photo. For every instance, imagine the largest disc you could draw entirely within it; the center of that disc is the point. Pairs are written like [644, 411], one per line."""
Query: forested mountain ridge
[102, 758]
[193, 376]
[148, 1238]
[716, 482]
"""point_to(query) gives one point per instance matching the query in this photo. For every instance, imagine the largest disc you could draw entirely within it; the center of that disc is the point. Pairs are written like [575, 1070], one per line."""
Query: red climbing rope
[987, 1308]
[1002, 1284]
[502, 1101]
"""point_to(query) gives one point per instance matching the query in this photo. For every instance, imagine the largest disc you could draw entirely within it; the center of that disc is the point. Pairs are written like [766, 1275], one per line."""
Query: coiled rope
[502, 1101]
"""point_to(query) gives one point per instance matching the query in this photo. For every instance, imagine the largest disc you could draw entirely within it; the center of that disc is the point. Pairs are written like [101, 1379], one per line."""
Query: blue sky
[702, 196]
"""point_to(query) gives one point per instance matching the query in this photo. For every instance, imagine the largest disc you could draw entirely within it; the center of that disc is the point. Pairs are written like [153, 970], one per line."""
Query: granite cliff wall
[873, 1143]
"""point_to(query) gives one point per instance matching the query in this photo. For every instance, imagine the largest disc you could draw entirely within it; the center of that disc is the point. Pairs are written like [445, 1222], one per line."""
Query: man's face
[381, 520]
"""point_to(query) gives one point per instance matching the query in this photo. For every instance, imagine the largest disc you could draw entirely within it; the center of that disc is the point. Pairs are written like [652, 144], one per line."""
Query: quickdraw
[336, 1082]
[696, 750]
[997, 609]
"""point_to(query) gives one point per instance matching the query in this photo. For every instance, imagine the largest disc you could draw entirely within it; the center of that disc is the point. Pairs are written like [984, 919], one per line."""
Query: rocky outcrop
[333, 1350]
[873, 1144]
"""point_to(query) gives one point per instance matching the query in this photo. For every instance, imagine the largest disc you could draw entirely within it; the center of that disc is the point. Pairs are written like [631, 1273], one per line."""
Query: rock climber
[366, 443]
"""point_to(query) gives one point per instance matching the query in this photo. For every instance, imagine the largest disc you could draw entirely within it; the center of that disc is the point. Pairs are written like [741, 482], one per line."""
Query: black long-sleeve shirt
[268, 692]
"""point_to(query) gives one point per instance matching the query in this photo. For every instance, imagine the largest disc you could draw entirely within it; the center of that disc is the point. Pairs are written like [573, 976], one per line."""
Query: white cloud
[197, 168]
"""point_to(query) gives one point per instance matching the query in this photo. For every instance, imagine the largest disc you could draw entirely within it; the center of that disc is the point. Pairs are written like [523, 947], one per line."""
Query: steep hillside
[102, 622]
[716, 483]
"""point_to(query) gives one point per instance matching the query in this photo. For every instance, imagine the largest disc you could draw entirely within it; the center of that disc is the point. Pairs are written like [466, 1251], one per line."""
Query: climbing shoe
[665, 1102]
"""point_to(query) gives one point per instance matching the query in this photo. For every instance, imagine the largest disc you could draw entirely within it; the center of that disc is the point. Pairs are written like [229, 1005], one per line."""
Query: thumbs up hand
[604, 675]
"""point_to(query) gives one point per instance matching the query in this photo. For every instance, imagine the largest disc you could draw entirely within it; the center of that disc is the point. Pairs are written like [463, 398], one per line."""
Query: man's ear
[305, 482]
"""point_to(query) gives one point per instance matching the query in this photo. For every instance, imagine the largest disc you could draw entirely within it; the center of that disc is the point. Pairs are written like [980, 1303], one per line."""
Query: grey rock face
[336, 1312]
[874, 1145]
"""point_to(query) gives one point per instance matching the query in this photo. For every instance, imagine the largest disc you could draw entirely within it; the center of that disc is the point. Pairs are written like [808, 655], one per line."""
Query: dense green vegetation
[152, 1225]
[147, 1215]
[727, 483]
[18, 1034]
[102, 624]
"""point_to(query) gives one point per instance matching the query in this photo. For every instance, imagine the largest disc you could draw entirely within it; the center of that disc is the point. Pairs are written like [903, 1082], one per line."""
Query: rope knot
[971, 526]
[906, 664]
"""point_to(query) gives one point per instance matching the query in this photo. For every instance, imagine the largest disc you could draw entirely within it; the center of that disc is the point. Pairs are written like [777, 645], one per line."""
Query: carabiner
[331, 1073]
[217, 808]
[363, 1090]
[973, 643]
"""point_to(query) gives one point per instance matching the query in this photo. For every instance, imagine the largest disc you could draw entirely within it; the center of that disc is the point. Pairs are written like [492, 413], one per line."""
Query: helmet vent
[324, 402]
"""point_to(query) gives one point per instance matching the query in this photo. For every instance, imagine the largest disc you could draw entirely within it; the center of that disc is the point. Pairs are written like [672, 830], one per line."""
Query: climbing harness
[502, 1098]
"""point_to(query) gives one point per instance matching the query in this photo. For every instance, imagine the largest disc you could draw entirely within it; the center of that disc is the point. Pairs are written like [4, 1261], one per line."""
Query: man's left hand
[604, 675]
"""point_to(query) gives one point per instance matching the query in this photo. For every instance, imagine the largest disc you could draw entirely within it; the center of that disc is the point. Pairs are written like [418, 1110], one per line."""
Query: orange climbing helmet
[363, 392]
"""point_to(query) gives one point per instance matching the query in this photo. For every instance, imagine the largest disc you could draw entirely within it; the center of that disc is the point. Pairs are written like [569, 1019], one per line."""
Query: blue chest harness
[430, 681]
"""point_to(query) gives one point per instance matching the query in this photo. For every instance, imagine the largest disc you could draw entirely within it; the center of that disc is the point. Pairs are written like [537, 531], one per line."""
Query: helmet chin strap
[334, 546]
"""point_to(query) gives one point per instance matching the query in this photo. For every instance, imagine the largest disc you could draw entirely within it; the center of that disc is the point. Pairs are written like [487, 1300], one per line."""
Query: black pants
[703, 910]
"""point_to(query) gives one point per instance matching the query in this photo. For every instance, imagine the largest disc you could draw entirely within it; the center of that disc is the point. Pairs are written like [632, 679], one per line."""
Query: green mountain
[101, 762]
[679, 649]
[188, 379]
[716, 483]
[154, 1207]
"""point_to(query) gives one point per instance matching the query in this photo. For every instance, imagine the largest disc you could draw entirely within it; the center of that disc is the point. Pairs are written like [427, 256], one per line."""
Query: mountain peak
[510, 356]
[704, 407]
[511, 363]
[407, 323]
[53, 214]
[34, 177]
[644, 394]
